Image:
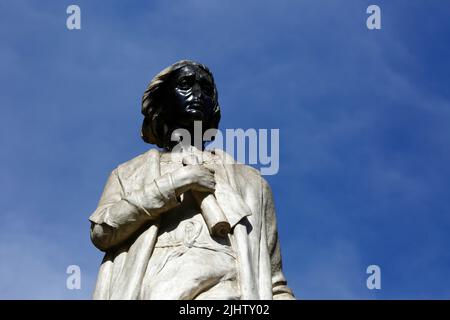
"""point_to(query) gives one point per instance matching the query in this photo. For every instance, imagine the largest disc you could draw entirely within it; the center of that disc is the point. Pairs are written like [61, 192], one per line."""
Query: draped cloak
[242, 194]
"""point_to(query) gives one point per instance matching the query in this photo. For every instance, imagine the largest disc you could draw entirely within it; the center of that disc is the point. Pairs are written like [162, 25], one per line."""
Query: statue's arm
[119, 215]
[280, 289]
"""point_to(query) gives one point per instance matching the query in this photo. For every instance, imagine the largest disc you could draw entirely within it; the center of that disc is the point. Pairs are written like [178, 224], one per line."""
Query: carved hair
[154, 129]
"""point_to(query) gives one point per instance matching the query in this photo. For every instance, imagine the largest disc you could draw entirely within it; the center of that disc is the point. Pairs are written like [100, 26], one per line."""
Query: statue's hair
[153, 128]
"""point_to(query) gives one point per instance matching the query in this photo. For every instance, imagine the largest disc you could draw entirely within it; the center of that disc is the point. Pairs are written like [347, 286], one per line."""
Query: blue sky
[363, 117]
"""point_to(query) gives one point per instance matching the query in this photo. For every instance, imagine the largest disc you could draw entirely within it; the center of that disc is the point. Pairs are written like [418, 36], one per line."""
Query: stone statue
[188, 223]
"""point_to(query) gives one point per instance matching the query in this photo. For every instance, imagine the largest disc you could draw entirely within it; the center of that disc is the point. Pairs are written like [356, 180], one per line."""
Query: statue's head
[176, 97]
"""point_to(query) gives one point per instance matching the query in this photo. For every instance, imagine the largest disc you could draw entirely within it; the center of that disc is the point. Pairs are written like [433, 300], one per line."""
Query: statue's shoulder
[246, 178]
[241, 171]
[245, 170]
[252, 175]
[130, 167]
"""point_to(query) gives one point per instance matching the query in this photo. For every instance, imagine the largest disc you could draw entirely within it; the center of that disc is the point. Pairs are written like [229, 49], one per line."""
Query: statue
[188, 223]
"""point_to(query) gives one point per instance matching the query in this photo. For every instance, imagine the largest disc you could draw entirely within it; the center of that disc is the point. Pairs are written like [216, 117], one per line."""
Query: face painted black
[189, 96]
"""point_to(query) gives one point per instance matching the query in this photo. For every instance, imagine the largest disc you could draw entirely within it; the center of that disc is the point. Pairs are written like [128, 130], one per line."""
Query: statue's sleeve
[280, 289]
[119, 215]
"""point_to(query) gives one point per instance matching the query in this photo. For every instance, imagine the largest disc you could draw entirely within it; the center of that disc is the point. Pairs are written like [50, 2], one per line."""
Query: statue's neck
[184, 137]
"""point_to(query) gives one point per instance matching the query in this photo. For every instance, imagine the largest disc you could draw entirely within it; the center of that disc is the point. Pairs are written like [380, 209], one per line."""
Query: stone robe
[126, 223]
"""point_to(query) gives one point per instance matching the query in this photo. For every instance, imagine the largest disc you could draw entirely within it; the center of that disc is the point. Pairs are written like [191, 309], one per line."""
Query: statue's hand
[193, 177]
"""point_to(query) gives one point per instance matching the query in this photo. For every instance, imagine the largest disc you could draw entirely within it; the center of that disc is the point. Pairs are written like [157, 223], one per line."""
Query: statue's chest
[184, 225]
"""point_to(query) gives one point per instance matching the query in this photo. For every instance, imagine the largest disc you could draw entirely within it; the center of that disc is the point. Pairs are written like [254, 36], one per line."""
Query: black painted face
[189, 96]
